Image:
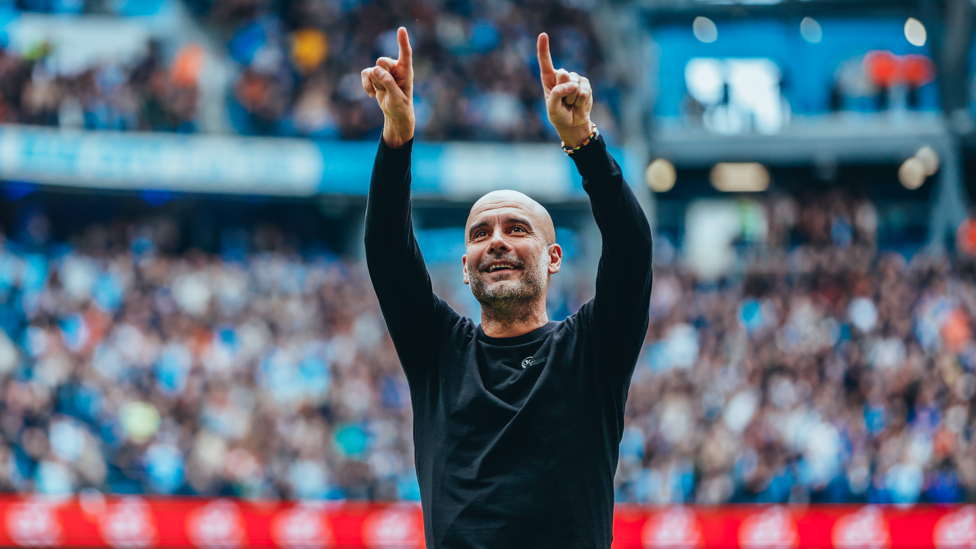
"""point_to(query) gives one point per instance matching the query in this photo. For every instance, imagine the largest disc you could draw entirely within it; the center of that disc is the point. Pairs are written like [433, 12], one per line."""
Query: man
[517, 421]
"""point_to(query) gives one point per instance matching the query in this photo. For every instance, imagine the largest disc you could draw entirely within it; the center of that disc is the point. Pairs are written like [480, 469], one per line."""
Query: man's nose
[497, 243]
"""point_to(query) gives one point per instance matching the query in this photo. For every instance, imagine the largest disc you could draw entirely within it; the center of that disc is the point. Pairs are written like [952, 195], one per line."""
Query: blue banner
[273, 166]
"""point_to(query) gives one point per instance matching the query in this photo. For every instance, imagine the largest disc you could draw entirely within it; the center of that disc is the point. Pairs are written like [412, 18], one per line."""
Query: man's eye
[480, 234]
[518, 229]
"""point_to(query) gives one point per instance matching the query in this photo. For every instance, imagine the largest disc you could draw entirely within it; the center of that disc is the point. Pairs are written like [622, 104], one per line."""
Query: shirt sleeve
[396, 266]
[618, 313]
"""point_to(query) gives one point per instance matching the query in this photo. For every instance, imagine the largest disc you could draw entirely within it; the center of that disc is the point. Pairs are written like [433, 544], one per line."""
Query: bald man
[517, 420]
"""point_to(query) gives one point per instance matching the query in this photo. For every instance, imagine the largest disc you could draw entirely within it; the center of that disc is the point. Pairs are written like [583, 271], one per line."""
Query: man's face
[510, 249]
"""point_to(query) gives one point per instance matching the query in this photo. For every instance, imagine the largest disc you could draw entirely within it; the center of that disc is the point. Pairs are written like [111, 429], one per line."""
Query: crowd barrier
[92, 520]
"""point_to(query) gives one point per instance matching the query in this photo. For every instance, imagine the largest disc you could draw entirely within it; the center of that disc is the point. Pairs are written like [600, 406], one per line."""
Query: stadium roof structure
[824, 139]
[837, 139]
[951, 24]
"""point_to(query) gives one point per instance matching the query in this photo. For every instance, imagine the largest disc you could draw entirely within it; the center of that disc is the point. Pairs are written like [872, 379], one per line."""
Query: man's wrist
[397, 133]
[575, 136]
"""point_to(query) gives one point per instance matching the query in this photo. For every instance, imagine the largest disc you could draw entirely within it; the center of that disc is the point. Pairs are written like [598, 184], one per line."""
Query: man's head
[511, 252]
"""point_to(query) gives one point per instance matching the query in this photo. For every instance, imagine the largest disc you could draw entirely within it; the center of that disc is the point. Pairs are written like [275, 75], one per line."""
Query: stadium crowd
[827, 371]
[477, 74]
[298, 65]
[145, 95]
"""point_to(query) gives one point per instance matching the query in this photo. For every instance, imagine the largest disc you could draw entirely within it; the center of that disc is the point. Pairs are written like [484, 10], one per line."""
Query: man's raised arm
[396, 266]
[619, 312]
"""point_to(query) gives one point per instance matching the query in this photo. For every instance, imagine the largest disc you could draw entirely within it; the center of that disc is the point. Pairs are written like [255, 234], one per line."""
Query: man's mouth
[501, 266]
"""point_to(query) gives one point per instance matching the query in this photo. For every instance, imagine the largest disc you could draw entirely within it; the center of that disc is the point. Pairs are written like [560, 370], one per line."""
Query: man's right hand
[391, 83]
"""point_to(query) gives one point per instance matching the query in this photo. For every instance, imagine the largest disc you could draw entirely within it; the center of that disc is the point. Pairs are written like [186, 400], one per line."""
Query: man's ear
[464, 267]
[555, 258]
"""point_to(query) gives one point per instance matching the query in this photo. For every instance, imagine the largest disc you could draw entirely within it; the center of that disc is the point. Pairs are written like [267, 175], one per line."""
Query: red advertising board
[146, 523]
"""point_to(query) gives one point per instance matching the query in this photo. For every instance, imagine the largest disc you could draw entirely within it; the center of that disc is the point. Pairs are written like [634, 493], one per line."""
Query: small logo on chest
[529, 361]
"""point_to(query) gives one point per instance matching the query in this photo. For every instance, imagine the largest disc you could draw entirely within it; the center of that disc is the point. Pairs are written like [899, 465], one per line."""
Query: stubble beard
[510, 303]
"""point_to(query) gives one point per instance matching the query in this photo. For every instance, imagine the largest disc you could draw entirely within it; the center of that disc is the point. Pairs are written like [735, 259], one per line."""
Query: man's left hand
[569, 98]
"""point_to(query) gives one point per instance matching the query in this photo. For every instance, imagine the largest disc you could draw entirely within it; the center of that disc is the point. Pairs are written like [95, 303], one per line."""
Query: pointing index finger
[406, 54]
[547, 70]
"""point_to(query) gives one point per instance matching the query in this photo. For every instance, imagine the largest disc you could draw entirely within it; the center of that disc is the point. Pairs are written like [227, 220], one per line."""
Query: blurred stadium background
[184, 309]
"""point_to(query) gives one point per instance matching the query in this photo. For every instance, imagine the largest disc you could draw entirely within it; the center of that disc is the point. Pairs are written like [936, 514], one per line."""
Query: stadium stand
[829, 371]
[477, 75]
[298, 64]
[145, 95]
[832, 360]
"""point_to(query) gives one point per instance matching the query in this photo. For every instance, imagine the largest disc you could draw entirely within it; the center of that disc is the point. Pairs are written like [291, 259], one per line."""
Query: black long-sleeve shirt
[516, 439]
